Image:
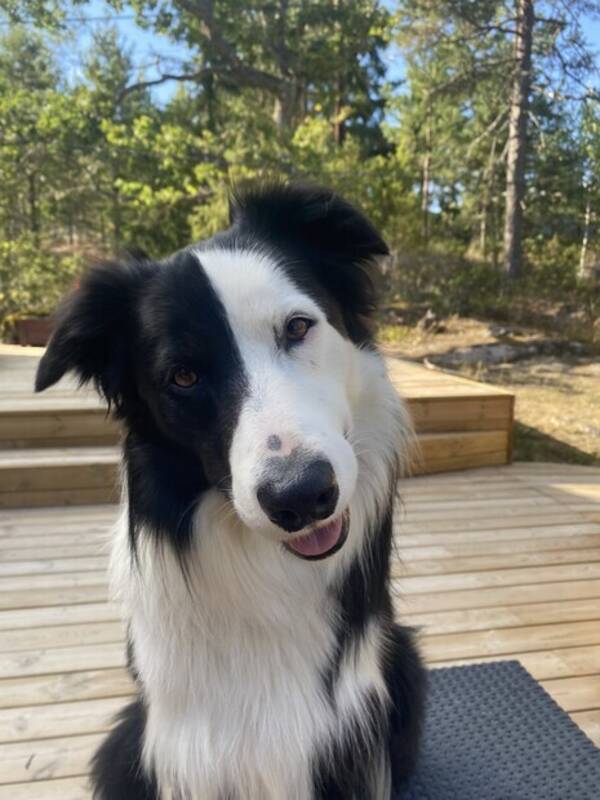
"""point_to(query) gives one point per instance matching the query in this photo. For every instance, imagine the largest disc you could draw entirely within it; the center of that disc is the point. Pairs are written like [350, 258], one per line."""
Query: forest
[468, 130]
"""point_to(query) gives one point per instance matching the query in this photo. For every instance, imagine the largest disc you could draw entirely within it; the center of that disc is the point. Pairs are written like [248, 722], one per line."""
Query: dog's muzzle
[298, 492]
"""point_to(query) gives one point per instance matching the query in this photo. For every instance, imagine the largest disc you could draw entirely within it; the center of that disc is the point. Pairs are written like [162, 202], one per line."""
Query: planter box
[34, 331]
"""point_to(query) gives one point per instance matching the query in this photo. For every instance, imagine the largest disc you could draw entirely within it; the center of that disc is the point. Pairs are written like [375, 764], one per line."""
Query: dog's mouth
[323, 541]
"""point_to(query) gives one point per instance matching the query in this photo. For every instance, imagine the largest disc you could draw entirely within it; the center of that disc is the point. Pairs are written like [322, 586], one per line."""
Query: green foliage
[448, 284]
[94, 164]
[32, 281]
[553, 265]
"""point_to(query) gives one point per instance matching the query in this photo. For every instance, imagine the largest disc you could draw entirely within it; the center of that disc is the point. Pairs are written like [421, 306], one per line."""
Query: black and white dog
[263, 443]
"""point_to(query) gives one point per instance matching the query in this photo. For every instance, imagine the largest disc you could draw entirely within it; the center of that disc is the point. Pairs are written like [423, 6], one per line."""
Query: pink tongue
[319, 541]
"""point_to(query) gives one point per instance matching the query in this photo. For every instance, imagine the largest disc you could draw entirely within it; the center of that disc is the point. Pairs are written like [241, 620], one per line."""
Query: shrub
[32, 280]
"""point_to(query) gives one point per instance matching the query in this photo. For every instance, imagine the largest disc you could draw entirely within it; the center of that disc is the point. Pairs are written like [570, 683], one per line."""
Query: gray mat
[493, 733]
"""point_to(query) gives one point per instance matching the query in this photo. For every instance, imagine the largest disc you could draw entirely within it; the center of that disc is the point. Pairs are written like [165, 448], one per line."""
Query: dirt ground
[557, 395]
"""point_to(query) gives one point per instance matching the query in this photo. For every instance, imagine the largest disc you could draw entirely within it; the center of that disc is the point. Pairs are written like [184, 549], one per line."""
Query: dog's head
[233, 364]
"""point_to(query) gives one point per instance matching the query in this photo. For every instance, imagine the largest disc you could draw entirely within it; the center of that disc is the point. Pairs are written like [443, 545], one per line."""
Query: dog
[262, 446]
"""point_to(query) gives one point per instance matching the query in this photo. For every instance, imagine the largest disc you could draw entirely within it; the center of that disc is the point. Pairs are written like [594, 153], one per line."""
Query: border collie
[262, 449]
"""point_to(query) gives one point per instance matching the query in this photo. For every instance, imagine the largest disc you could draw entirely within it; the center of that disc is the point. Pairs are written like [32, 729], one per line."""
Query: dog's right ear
[94, 330]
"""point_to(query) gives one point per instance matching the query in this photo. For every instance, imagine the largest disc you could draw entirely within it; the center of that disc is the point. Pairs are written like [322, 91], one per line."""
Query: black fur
[117, 772]
[329, 248]
[124, 329]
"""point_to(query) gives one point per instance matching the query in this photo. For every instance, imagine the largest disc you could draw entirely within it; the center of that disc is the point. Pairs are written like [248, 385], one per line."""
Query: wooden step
[74, 421]
[443, 452]
[51, 476]
[63, 422]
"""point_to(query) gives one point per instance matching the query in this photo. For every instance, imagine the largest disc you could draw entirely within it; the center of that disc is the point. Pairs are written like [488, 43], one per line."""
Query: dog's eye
[297, 328]
[184, 378]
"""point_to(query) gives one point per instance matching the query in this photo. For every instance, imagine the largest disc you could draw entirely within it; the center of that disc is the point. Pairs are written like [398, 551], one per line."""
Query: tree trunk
[339, 127]
[286, 108]
[425, 184]
[486, 202]
[583, 271]
[517, 141]
[34, 219]
[115, 211]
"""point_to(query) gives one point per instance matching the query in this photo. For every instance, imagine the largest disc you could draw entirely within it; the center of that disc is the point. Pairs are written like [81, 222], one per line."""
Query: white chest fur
[232, 663]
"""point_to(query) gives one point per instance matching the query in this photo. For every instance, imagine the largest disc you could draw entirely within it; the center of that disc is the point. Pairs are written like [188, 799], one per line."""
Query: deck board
[498, 563]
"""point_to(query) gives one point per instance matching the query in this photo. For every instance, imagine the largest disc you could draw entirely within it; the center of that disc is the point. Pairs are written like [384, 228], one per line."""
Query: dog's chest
[234, 680]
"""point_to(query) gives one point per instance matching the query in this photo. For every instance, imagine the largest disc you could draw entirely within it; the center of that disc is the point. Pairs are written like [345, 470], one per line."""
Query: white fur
[231, 661]
[302, 396]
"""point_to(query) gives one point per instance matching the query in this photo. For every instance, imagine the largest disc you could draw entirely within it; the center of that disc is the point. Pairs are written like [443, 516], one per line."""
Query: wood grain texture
[492, 563]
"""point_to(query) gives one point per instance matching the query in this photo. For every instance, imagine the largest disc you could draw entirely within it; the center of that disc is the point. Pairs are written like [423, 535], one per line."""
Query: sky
[146, 45]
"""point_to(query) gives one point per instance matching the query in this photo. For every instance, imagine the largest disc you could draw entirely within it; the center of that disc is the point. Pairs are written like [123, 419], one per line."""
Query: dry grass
[557, 397]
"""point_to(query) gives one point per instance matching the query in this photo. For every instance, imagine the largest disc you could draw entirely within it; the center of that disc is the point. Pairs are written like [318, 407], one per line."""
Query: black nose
[295, 495]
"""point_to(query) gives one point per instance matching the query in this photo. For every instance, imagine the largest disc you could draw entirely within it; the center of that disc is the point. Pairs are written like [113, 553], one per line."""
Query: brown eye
[184, 378]
[297, 328]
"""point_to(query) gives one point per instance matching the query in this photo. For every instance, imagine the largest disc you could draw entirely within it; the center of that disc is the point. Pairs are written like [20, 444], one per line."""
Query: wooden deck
[495, 563]
[59, 448]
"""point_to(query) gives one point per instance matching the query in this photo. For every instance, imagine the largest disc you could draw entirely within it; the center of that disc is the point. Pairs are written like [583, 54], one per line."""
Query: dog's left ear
[94, 331]
[340, 245]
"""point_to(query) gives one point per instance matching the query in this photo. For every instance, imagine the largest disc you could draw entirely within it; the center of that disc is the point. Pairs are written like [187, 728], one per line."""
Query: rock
[487, 354]
[502, 332]
[430, 323]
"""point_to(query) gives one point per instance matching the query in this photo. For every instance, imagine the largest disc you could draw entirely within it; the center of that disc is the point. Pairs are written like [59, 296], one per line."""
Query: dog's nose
[295, 497]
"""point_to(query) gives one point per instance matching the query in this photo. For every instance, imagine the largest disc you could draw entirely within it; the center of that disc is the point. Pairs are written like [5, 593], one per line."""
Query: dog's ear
[339, 243]
[93, 333]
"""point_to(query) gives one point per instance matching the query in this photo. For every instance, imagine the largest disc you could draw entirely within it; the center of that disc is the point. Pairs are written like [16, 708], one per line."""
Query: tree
[296, 55]
[517, 139]
[549, 57]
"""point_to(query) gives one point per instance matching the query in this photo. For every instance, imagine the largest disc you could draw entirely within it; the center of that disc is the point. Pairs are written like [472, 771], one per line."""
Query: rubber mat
[493, 733]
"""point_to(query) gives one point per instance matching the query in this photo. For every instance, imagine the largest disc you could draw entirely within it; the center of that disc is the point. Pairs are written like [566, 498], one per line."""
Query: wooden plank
[453, 445]
[496, 522]
[429, 465]
[494, 596]
[543, 664]
[46, 759]
[54, 636]
[63, 551]
[26, 618]
[580, 693]
[66, 595]
[62, 789]
[62, 659]
[11, 583]
[519, 499]
[34, 477]
[538, 544]
[589, 722]
[58, 719]
[503, 641]
[490, 578]
[480, 619]
[479, 509]
[45, 427]
[53, 532]
[53, 456]
[45, 516]
[64, 687]
[521, 537]
[60, 497]
[411, 490]
[439, 414]
[47, 566]
[497, 561]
